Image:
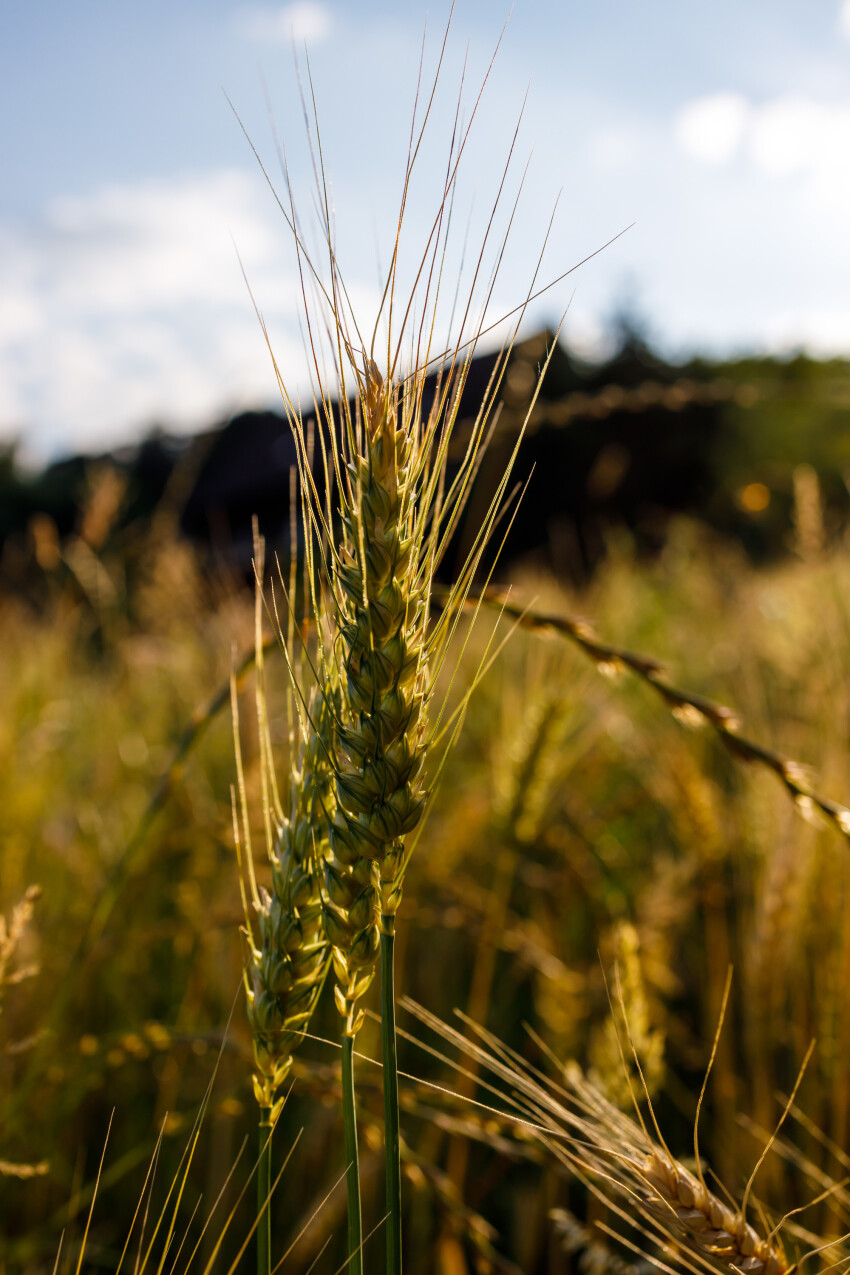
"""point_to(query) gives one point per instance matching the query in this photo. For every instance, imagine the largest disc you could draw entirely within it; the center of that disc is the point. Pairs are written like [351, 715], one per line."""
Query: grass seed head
[382, 626]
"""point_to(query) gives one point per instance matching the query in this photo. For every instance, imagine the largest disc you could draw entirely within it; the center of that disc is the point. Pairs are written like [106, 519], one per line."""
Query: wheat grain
[682, 1202]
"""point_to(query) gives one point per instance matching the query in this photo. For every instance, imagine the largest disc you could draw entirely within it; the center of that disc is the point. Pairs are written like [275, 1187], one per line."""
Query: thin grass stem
[264, 1178]
[391, 1137]
[349, 1116]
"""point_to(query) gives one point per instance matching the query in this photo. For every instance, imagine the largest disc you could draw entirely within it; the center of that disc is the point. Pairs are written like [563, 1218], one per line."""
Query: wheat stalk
[287, 951]
[381, 579]
[377, 545]
[397, 509]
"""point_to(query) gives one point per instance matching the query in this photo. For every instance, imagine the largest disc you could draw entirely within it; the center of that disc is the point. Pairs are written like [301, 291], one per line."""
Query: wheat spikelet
[594, 1256]
[23, 1172]
[288, 962]
[379, 796]
[398, 509]
[379, 663]
[645, 1173]
[13, 934]
[809, 531]
[681, 1201]
[522, 790]
[288, 967]
[380, 579]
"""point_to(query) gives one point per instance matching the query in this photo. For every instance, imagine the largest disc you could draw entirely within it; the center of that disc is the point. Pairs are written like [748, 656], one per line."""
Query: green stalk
[391, 1136]
[264, 1186]
[349, 1116]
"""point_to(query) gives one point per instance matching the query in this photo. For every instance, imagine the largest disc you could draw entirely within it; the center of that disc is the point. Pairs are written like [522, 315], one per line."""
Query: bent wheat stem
[688, 707]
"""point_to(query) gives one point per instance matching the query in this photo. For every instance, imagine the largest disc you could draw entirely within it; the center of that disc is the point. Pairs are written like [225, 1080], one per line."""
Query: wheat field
[583, 836]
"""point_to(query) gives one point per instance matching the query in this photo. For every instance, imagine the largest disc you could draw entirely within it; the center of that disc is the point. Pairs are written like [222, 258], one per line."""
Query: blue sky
[722, 131]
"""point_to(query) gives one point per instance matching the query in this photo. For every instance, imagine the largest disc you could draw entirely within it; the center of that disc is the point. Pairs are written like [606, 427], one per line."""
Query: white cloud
[796, 135]
[128, 305]
[307, 20]
[789, 137]
[711, 128]
[155, 244]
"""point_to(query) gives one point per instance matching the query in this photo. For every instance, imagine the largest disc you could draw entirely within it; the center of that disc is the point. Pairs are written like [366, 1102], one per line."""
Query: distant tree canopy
[629, 442]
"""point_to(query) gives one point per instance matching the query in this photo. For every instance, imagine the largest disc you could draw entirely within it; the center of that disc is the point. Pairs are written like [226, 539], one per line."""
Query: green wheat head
[287, 950]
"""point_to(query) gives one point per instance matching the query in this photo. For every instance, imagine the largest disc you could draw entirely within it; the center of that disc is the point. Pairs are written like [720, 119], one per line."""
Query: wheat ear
[379, 796]
[288, 959]
[684, 1204]
[288, 955]
[617, 1158]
